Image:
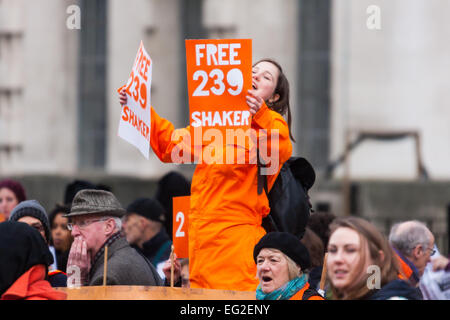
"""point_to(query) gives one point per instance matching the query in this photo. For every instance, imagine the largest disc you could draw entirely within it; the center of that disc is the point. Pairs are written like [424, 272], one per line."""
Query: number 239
[140, 90]
[235, 81]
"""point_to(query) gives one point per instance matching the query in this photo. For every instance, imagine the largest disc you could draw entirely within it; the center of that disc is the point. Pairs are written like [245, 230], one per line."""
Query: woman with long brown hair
[361, 264]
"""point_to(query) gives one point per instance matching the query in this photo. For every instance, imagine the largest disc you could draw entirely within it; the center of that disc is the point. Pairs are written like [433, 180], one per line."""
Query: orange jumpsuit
[226, 211]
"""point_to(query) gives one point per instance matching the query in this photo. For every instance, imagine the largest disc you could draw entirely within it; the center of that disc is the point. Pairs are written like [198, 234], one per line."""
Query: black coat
[157, 249]
[21, 247]
[397, 289]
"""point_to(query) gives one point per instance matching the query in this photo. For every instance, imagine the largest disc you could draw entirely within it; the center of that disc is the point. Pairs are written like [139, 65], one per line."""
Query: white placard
[134, 125]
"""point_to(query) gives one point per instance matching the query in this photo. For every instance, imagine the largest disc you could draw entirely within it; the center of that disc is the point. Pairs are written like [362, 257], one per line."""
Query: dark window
[92, 113]
[313, 109]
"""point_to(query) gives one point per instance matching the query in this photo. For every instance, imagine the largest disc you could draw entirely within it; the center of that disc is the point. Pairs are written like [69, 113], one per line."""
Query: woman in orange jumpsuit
[226, 210]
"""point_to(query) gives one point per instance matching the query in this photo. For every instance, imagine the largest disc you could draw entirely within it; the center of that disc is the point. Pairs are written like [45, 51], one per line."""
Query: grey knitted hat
[91, 201]
[32, 208]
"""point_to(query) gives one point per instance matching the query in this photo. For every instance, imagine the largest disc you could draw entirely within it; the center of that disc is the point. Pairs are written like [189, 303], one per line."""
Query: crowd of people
[76, 233]
[338, 258]
[41, 251]
[351, 254]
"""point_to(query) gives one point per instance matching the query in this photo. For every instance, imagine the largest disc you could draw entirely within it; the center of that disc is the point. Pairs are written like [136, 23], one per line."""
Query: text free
[222, 54]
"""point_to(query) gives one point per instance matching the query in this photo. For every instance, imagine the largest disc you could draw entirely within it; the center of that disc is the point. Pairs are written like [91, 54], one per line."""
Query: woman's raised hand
[122, 97]
[254, 101]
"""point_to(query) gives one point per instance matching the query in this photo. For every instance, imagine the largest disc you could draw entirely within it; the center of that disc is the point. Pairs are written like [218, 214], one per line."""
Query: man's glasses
[82, 224]
[432, 251]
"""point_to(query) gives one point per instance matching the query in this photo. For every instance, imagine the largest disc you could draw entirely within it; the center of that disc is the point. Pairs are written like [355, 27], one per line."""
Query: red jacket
[32, 286]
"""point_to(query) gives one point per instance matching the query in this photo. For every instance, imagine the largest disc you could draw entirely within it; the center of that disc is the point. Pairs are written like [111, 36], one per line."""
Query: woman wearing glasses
[361, 265]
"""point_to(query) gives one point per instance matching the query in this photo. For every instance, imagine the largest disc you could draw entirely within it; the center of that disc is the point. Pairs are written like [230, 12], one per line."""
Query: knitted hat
[32, 208]
[90, 201]
[148, 208]
[15, 187]
[286, 243]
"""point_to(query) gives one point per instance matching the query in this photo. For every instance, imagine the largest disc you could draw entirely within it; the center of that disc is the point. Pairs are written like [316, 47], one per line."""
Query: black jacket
[397, 289]
[157, 249]
[315, 275]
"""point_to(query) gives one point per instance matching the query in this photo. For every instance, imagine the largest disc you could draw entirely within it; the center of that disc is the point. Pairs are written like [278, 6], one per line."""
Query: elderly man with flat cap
[95, 222]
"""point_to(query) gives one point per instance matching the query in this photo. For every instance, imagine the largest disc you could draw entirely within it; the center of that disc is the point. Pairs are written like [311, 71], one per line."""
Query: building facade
[373, 67]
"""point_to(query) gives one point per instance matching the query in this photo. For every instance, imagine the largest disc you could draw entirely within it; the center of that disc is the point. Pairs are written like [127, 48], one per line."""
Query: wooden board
[153, 293]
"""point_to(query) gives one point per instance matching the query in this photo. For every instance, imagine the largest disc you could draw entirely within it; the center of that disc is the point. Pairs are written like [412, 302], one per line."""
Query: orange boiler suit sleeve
[164, 138]
[226, 211]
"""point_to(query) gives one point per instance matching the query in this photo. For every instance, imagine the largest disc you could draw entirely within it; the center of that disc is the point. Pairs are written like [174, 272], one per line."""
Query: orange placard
[181, 207]
[218, 76]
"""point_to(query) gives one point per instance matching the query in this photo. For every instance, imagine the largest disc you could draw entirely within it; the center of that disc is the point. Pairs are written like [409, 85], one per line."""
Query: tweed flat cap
[90, 201]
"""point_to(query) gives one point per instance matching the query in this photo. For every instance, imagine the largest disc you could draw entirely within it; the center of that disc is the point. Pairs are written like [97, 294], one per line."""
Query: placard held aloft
[134, 125]
[218, 76]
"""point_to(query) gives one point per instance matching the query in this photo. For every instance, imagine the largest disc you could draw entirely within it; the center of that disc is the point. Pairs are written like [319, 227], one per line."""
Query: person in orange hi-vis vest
[226, 209]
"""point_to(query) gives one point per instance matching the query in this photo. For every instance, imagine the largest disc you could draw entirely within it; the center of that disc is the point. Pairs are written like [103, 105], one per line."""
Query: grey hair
[117, 220]
[405, 239]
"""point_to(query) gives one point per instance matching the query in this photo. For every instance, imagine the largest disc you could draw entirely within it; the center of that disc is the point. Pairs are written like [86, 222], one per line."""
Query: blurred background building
[367, 76]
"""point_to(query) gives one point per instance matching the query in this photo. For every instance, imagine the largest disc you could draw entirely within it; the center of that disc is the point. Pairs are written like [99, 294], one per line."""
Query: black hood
[21, 247]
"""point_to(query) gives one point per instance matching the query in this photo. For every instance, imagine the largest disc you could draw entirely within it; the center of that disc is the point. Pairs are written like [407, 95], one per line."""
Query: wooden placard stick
[323, 278]
[105, 266]
[171, 266]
